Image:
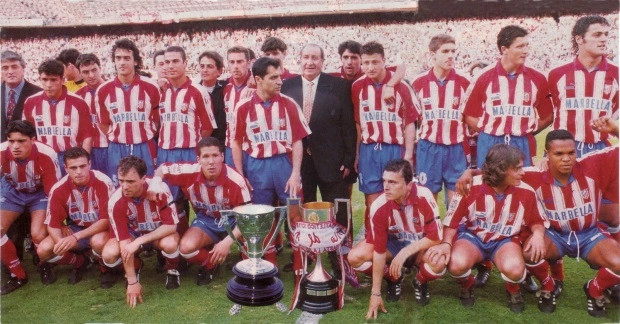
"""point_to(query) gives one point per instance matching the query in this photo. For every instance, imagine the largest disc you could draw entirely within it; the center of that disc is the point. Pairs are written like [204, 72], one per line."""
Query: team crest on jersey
[282, 122]
[511, 217]
[585, 193]
[140, 104]
[607, 89]
[184, 108]
[416, 220]
[66, 120]
[526, 97]
[455, 101]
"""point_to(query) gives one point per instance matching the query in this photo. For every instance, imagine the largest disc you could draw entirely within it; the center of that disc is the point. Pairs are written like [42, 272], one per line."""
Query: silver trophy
[255, 282]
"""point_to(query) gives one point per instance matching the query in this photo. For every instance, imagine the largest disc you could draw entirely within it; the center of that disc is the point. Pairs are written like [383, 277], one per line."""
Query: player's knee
[45, 248]
[459, 264]
[514, 271]
[188, 245]
[98, 241]
[111, 251]
[170, 243]
[38, 235]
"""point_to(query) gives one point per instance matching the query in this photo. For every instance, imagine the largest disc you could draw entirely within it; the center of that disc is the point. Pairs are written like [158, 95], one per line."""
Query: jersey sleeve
[457, 210]
[56, 208]
[544, 106]
[102, 194]
[355, 98]
[204, 111]
[85, 129]
[534, 210]
[240, 125]
[181, 174]
[165, 208]
[429, 212]
[118, 220]
[49, 162]
[100, 106]
[410, 103]
[379, 221]
[474, 97]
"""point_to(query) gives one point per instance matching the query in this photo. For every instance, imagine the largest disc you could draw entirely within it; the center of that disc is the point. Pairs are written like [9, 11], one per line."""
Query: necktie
[308, 101]
[11, 106]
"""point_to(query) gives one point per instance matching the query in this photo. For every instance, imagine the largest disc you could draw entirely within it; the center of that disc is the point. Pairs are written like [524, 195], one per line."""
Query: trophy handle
[337, 201]
[291, 203]
[226, 214]
[281, 217]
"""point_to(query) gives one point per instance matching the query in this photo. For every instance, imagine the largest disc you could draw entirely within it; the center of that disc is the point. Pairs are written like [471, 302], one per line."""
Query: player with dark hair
[61, 118]
[211, 186]
[508, 102]
[127, 107]
[269, 127]
[497, 209]
[160, 68]
[211, 65]
[276, 48]
[29, 170]
[73, 78]
[404, 224]
[137, 221]
[385, 131]
[81, 199]
[90, 68]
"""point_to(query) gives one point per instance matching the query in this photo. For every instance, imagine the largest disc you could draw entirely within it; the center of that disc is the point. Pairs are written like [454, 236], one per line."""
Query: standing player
[404, 224]
[29, 170]
[498, 208]
[159, 65]
[81, 199]
[127, 110]
[72, 76]
[211, 186]
[137, 221]
[508, 102]
[61, 119]
[269, 127]
[211, 65]
[385, 131]
[441, 155]
[276, 48]
[90, 69]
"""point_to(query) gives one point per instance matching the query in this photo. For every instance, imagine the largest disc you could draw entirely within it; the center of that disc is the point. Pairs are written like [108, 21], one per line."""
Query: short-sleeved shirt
[63, 123]
[381, 122]
[579, 97]
[232, 96]
[266, 129]
[491, 218]
[508, 104]
[82, 206]
[100, 139]
[440, 103]
[184, 113]
[131, 111]
[416, 219]
[39, 171]
[228, 191]
[140, 215]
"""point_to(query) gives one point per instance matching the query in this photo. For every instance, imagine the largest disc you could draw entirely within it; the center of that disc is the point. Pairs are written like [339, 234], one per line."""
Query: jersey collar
[501, 71]
[602, 66]
[450, 76]
[136, 80]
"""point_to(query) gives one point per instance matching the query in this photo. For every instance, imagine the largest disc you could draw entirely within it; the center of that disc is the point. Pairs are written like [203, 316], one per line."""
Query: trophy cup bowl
[318, 291]
[255, 282]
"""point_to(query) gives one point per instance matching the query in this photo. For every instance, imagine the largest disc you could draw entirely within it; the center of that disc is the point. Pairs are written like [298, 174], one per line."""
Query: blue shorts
[228, 159]
[438, 164]
[15, 201]
[84, 243]
[585, 148]
[486, 141]
[146, 151]
[488, 249]
[175, 156]
[394, 245]
[578, 244]
[99, 159]
[268, 177]
[372, 160]
[214, 227]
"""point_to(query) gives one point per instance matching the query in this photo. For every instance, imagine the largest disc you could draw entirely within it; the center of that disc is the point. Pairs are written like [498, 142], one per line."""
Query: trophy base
[261, 289]
[318, 297]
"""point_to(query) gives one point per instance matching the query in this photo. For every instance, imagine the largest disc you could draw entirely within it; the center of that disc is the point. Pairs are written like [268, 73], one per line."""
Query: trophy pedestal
[318, 297]
[260, 289]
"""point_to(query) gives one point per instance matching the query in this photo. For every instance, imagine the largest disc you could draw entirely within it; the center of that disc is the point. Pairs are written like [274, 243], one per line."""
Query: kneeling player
[211, 186]
[137, 221]
[81, 197]
[495, 211]
[404, 223]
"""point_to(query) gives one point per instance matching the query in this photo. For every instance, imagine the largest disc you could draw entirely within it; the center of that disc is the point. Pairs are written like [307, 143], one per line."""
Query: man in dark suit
[329, 152]
[15, 90]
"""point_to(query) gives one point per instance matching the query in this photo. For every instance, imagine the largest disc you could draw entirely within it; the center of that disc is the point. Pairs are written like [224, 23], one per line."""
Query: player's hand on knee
[65, 244]
[134, 294]
[219, 253]
[397, 264]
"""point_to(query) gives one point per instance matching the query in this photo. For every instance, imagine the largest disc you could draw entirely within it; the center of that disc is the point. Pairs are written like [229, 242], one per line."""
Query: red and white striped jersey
[505, 104]
[82, 206]
[132, 113]
[341, 74]
[491, 219]
[228, 191]
[575, 207]
[100, 139]
[269, 129]
[381, 122]
[61, 124]
[184, 113]
[232, 95]
[440, 119]
[140, 215]
[579, 97]
[410, 222]
[39, 171]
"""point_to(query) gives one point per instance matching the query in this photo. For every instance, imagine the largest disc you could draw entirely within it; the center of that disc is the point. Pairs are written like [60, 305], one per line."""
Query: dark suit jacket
[28, 90]
[332, 142]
